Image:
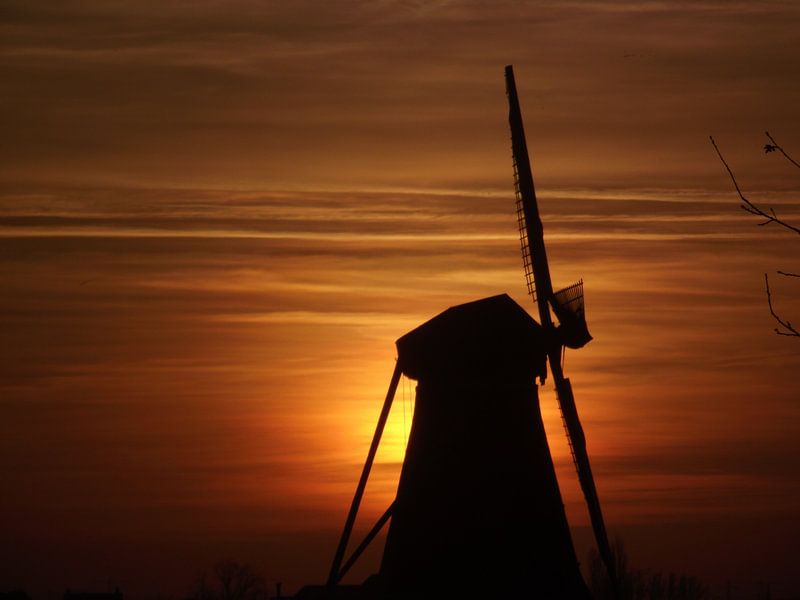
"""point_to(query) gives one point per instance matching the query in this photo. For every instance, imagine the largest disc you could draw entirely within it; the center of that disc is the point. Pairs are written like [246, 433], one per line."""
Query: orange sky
[215, 220]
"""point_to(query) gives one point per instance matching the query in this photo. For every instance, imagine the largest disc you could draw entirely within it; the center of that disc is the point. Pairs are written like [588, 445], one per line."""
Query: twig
[747, 206]
[776, 146]
[790, 330]
[770, 217]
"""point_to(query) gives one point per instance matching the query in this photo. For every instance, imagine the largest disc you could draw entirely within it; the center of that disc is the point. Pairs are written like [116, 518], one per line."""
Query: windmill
[478, 511]
[568, 306]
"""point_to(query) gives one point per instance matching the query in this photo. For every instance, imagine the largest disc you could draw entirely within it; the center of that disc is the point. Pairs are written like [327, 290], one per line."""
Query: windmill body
[478, 508]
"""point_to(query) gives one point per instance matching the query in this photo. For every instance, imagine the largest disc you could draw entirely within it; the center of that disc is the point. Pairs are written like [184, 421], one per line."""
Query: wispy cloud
[216, 218]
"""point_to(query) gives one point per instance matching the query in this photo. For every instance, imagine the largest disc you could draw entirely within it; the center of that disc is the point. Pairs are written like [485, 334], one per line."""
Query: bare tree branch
[790, 330]
[786, 328]
[775, 146]
[747, 206]
[230, 580]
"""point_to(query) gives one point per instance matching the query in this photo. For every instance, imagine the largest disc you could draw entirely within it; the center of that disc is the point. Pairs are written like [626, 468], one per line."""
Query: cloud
[386, 93]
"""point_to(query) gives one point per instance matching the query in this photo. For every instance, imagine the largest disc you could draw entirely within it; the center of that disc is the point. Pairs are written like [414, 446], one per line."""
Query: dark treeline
[637, 584]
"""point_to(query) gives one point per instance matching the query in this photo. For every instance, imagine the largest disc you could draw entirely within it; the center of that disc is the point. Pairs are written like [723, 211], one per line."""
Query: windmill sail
[568, 307]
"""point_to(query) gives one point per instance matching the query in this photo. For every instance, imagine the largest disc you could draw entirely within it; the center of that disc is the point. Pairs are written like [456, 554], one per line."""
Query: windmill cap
[473, 341]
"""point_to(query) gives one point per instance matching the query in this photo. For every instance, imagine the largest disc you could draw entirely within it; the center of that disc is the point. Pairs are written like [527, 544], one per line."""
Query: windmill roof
[475, 340]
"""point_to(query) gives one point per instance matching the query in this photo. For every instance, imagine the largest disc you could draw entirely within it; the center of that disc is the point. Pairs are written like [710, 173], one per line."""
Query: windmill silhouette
[478, 511]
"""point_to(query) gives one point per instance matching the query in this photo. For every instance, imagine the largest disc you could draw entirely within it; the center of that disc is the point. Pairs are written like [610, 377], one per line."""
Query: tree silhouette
[769, 217]
[229, 580]
[636, 584]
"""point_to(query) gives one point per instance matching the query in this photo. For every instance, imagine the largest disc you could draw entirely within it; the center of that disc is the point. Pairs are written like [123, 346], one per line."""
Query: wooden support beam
[376, 529]
[334, 575]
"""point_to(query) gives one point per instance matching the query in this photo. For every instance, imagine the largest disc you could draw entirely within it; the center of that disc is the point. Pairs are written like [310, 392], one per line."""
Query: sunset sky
[217, 217]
